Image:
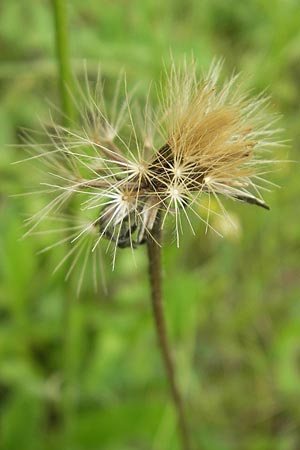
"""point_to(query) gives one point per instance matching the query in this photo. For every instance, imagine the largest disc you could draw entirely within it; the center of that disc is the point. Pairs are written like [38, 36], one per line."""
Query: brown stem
[155, 270]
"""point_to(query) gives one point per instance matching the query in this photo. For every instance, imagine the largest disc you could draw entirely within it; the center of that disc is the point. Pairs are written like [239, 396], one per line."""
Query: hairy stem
[63, 58]
[155, 270]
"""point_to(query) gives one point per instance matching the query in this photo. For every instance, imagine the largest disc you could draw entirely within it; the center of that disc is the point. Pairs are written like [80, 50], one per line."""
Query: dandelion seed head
[205, 140]
[141, 168]
[176, 191]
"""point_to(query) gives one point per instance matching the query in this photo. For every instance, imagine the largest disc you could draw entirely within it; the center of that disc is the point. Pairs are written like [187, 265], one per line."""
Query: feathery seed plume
[124, 165]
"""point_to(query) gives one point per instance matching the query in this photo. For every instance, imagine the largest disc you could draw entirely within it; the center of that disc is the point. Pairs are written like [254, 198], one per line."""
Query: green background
[85, 373]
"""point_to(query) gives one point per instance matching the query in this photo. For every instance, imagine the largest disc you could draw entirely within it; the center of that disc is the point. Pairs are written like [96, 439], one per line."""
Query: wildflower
[126, 166]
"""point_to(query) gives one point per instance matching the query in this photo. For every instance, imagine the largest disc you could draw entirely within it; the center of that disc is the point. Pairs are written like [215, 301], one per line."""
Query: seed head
[124, 165]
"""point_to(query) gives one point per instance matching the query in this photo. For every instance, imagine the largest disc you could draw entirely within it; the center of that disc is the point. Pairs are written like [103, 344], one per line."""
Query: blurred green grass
[232, 304]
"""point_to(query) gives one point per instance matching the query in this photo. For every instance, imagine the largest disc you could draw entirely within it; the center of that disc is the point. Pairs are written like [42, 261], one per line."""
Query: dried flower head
[124, 165]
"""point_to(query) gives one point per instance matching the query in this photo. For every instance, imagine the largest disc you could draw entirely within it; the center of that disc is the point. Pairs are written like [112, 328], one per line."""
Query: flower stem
[63, 58]
[155, 270]
[65, 80]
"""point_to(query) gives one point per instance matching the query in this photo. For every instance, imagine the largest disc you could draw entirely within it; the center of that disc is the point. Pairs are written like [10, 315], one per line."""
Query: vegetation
[92, 378]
